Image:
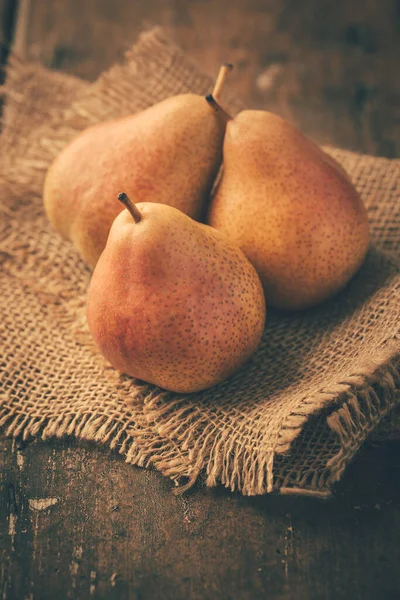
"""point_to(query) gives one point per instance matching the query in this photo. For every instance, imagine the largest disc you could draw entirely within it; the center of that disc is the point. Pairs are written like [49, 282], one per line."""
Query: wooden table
[75, 520]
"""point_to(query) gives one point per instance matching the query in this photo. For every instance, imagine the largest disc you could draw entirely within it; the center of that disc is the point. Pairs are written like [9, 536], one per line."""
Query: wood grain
[76, 522]
[7, 21]
[331, 67]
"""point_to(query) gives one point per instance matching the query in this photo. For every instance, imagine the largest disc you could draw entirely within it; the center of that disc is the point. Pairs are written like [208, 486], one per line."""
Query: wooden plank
[331, 68]
[7, 22]
[77, 522]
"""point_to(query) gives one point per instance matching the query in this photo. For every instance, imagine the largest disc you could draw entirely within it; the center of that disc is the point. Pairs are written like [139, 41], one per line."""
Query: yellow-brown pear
[291, 208]
[169, 153]
[172, 302]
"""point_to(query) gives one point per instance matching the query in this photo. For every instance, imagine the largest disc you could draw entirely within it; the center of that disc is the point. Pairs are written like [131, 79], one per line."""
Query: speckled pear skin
[169, 153]
[292, 210]
[172, 302]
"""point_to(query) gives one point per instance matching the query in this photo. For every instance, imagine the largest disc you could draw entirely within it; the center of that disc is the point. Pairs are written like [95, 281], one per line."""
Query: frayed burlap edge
[362, 403]
[365, 401]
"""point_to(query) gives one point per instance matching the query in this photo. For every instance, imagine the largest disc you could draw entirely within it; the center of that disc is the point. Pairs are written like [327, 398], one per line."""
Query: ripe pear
[171, 301]
[291, 208]
[169, 153]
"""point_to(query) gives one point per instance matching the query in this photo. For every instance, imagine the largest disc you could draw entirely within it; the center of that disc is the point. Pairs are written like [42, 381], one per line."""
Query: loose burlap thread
[289, 421]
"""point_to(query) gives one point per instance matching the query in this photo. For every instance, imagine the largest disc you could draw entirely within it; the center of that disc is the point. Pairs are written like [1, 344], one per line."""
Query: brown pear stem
[213, 99]
[224, 71]
[133, 209]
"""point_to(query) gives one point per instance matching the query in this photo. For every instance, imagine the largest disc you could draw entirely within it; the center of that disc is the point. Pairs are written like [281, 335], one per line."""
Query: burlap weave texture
[289, 421]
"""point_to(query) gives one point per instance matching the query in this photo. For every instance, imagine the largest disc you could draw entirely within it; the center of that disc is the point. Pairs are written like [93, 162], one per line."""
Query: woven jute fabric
[289, 421]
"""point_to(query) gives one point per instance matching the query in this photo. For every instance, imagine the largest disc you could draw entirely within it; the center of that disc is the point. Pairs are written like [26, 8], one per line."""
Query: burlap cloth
[289, 421]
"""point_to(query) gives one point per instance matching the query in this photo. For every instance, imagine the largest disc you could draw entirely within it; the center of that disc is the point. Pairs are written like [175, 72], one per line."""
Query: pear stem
[224, 71]
[213, 99]
[133, 209]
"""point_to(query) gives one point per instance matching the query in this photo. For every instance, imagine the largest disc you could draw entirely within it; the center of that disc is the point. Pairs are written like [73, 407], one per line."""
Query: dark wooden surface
[330, 66]
[7, 22]
[76, 521]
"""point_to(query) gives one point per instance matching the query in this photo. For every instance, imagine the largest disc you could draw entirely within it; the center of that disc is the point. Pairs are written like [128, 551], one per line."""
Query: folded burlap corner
[289, 421]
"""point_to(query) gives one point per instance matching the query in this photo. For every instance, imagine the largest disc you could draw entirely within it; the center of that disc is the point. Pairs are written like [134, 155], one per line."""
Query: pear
[291, 208]
[171, 301]
[169, 153]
